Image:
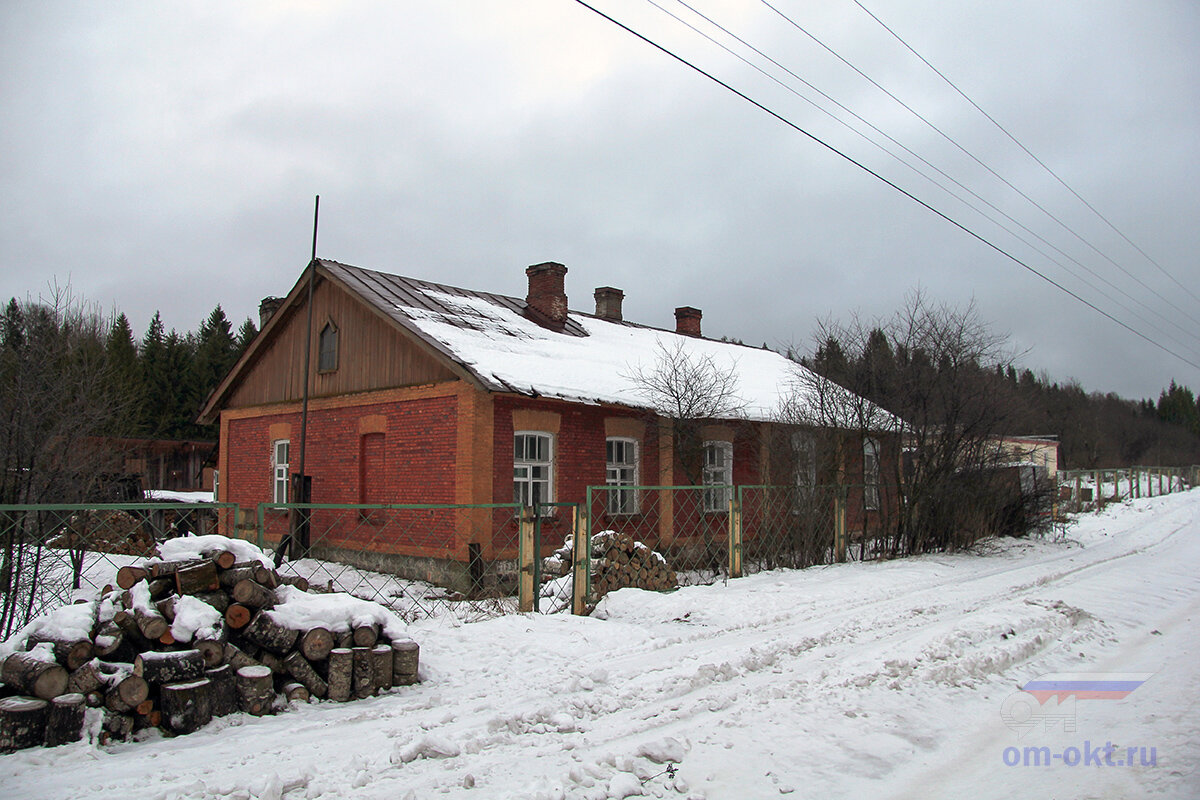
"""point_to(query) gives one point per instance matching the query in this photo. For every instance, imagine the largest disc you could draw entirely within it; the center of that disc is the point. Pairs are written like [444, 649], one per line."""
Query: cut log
[346, 639]
[166, 607]
[364, 674]
[128, 576]
[64, 722]
[274, 662]
[186, 706]
[85, 679]
[116, 727]
[340, 676]
[30, 675]
[151, 623]
[252, 594]
[71, 653]
[237, 658]
[266, 576]
[224, 559]
[109, 639]
[168, 569]
[237, 616]
[381, 667]
[256, 690]
[212, 650]
[198, 578]
[127, 622]
[218, 600]
[94, 699]
[124, 691]
[151, 719]
[238, 572]
[161, 587]
[171, 667]
[366, 635]
[22, 722]
[296, 691]
[299, 668]
[223, 695]
[406, 655]
[299, 581]
[265, 632]
[316, 643]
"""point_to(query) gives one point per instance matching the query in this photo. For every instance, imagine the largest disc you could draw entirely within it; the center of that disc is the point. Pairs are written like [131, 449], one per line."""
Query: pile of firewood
[177, 643]
[117, 532]
[618, 561]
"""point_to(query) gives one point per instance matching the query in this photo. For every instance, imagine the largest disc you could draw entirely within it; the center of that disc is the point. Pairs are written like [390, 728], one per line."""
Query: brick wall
[399, 450]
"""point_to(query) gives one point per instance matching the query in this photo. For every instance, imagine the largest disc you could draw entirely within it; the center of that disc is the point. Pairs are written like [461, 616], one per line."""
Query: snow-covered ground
[890, 679]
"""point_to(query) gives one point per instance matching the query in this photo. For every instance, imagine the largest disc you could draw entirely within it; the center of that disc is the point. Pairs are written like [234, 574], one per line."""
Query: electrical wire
[728, 87]
[1027, 151]
[976, 159]
[1192, 333]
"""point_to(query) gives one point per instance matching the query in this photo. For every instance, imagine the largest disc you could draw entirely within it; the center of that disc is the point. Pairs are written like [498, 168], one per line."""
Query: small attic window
[327, 355]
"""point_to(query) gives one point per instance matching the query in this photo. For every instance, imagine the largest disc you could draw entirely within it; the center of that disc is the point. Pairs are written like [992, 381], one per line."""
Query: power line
[974, 158]
[1193, 334]
[663, 49]
[1019, 144]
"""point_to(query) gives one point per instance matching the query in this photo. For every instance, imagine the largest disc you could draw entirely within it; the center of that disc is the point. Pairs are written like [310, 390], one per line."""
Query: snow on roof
[592, 361]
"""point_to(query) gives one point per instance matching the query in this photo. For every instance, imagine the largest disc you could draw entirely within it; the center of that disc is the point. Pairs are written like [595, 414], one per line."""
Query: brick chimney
[608, 303]
[687, 321]
[546, 302]
[267, 309]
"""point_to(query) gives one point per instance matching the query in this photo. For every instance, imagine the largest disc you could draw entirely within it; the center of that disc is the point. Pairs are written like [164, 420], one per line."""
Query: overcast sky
[165, 156]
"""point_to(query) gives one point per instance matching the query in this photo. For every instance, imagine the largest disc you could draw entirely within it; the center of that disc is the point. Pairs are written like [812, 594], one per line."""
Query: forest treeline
[1095, 430]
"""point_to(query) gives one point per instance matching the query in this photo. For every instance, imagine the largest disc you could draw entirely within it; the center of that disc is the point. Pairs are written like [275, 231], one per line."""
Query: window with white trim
[718, 471]
[621, 469]
[280, 470]
[871, 474]
[533, 467]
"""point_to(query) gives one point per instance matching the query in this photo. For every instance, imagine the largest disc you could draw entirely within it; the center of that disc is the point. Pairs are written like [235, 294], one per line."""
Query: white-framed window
[280, 470]
[718, 471]
[327, 350]
[533, 468]
[871, 473]
[621, 469]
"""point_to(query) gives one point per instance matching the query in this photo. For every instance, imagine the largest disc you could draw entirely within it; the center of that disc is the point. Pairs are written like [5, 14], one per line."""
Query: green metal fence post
[735, 534]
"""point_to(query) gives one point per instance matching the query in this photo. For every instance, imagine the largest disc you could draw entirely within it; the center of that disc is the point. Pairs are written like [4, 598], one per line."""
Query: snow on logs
[618, 562]
[208, 629]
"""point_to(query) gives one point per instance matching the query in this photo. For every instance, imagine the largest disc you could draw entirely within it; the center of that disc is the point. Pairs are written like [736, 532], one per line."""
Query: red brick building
[425, 393]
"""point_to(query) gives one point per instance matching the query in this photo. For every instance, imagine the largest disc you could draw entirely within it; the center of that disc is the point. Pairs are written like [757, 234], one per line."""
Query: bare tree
[58, 394]
[937, 369]
[690, 390]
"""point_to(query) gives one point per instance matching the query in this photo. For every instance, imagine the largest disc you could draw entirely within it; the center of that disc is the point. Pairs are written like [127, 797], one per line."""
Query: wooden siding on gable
[372, 354]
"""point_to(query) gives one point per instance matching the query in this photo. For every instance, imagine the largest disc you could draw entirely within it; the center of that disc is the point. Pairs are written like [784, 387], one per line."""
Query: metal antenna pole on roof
[302, 491]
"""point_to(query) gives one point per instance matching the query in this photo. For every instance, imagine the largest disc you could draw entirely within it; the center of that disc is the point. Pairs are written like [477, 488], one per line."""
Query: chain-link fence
[791, 527]
[688, 526]
[421, 561]
[55, 554]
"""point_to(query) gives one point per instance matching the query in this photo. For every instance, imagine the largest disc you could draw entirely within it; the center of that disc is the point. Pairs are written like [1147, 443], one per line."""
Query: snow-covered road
[856, 680]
